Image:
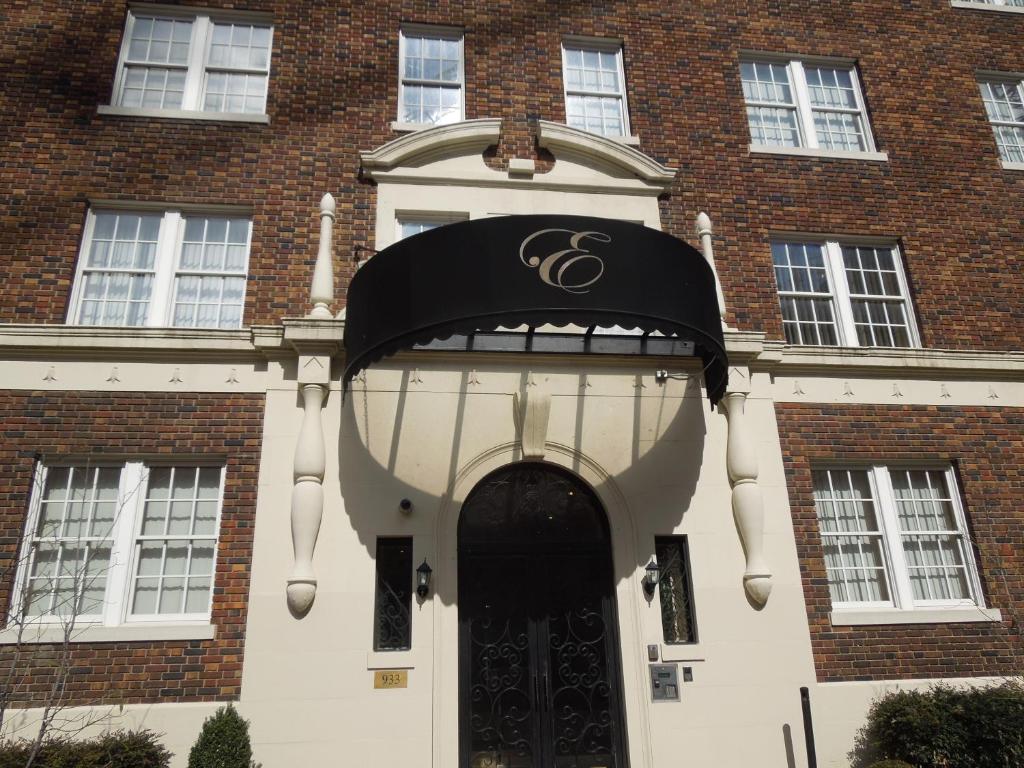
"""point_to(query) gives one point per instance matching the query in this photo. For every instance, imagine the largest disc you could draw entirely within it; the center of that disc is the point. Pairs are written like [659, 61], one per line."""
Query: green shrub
[945, 727]
[223, 742]
[119, 749]
[891, 764]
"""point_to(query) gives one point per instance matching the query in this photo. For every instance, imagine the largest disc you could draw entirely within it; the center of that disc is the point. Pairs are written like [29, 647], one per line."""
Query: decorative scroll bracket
[532, 411]
[747, 504]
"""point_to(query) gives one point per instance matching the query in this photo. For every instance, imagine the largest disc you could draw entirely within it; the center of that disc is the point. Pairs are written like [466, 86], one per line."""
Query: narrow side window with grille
[675, 589]
[392, 630]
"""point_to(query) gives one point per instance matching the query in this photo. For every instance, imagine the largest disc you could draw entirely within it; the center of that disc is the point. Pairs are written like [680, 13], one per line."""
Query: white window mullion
[973, 579]
[27, 544]
[166, 260]
[908, 308]
[902, 592]
[216, 538]
[196, 63]
[862, 112]
[803, 100]
[841, 288]
[129, 491]
[75, 309]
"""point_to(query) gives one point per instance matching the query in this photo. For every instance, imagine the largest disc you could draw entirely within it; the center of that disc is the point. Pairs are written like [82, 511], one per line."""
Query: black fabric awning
[533, 270]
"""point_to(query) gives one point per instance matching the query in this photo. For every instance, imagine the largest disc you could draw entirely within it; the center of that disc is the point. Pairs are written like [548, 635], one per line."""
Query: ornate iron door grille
[540, 682]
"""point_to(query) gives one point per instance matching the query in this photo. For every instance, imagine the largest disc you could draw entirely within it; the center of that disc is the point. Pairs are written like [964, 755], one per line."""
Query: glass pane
[95, 580]
[181, 518]
[171, 598]
[184, 483]
[202, 560]
[144, 599]
[154, 518]
[150, 558]
[677, 618]
[393, 598]
[175, 558]
[198, 599]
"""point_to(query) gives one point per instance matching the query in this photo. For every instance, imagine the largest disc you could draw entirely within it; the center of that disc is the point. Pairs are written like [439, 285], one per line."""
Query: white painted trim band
[916, 616]
[1007, 164]
[825, 154]
[986, 6]
[182, 114]
[137, 632]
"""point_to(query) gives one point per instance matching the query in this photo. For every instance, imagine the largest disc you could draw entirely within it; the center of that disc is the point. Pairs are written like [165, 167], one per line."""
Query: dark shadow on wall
[374, 476]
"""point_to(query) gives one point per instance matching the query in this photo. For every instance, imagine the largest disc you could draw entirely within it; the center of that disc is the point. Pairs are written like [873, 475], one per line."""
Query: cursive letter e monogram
[554, 268]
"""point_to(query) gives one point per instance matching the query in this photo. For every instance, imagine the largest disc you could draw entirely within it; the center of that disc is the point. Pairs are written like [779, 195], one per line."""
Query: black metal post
[805, 704]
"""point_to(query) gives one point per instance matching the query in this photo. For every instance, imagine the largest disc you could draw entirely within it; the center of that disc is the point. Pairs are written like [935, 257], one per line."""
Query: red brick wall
[986, 446]
[133, 426]
[333, 92]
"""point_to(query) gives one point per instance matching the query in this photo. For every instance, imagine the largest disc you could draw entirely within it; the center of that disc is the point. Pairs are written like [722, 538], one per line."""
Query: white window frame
[604, 46]
[1002, 6]
[168, 259]
[197, 67]
[896, 572]
[437, 218]
[132, 492]
[839, 287]
[1004, 78]
[436, 32]
[809, 145]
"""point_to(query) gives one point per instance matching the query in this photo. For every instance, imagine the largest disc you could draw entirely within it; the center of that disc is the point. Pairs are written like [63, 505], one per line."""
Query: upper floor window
[408, 224]
[894, 537]
[991, 5]
[193, 62]
[1004, 103]
[161, 268]
[112, 544]
[797, 104]
[432, 71]
[834, 293]
[595, 87]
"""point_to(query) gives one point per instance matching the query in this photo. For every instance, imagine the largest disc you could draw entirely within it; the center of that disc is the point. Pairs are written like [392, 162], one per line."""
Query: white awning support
[747, 504]
[321, 293]
[704, 233]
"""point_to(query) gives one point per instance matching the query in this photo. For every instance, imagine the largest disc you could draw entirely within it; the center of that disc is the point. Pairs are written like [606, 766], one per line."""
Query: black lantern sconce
[423, 579]
[652, 575]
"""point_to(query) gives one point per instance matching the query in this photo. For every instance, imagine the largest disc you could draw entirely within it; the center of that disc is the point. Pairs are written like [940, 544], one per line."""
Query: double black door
[539, 672]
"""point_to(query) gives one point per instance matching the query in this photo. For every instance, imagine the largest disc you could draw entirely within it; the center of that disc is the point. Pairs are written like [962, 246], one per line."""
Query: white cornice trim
[781, 357]
[823, 154]
[431, 143]
[182, 114]
[44, 340]
[86, 633]
[968, 615]
[978, 6]
[557, 136]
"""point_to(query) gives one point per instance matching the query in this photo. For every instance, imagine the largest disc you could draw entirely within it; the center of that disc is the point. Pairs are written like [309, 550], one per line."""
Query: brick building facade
[862, 165]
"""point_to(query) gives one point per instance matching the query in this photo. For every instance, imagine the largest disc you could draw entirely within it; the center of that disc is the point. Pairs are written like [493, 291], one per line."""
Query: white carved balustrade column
[747, 504]
[307, 497]
[315, 338]
[321, 292]
[704, 233]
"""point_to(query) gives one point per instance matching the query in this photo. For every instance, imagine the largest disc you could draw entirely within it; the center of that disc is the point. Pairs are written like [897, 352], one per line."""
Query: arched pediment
[563, 140]
[453, 154]
[470, 137]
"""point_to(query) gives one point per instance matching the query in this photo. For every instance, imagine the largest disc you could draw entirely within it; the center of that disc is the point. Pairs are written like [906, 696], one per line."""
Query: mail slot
[664, 682]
